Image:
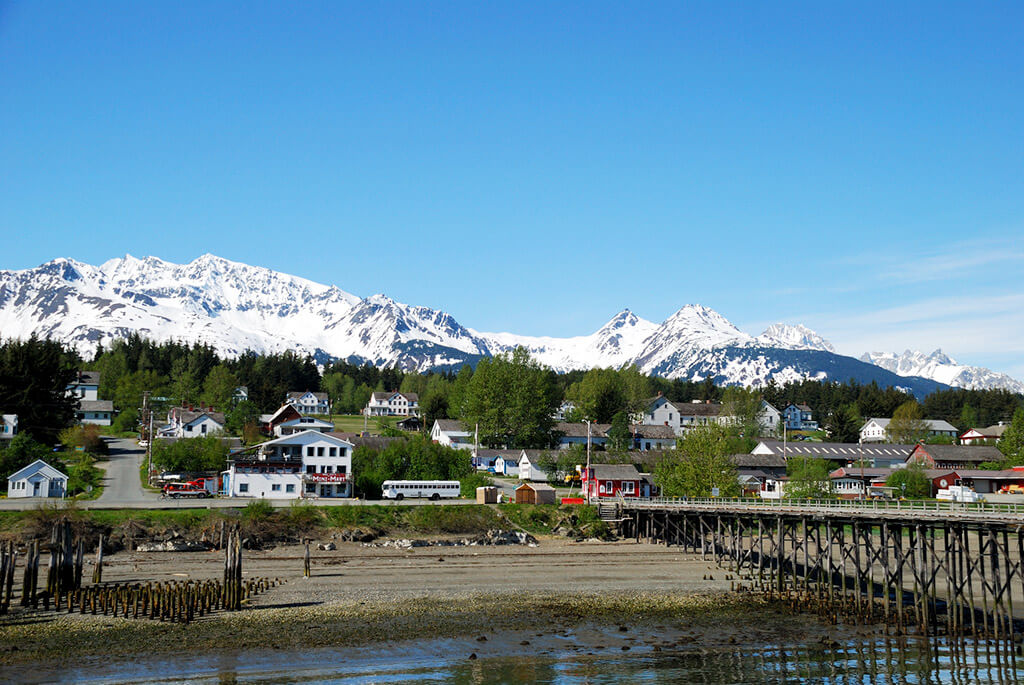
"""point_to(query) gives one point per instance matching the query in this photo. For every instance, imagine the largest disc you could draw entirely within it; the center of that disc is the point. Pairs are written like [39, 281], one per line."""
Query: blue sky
[536, 167]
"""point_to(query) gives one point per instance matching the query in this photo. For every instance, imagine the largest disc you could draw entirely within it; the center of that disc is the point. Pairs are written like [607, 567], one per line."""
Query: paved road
[122, 486]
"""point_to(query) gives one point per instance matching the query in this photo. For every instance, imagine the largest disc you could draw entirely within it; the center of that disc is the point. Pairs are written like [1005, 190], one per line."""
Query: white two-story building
[309, 402]
[85, 388]
[189, 423]
[301, 465]
[393, 404]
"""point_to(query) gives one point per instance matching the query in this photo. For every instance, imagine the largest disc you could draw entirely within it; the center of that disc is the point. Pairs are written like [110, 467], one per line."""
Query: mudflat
[361, 595]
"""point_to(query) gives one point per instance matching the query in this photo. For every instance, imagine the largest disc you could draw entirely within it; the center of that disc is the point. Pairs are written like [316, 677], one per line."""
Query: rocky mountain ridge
[235, 307]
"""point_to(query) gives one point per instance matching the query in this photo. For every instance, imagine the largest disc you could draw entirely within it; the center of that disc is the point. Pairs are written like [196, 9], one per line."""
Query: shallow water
[565, 660]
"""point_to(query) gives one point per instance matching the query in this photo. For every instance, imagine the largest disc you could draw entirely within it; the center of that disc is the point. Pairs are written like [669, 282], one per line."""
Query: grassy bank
[65, 638]
[268, 525]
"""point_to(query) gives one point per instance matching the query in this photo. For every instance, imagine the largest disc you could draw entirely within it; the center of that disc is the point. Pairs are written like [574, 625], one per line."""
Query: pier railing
[903, 508]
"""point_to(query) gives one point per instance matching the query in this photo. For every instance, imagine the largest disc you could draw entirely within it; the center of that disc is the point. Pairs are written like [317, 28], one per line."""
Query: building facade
[393, 404]
[309, 464]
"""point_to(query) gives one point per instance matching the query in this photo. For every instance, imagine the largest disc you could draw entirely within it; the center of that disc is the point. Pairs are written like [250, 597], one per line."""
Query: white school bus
[433, 489]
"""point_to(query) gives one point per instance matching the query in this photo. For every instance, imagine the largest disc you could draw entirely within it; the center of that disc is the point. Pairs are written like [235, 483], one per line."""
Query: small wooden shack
[487, 494]
[535, 493]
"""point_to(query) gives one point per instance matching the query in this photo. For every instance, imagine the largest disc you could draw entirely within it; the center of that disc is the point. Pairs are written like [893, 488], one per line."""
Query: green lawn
[353, 423]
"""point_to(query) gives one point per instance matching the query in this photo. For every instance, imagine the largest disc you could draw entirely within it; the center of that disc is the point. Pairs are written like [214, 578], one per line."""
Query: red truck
[192, 489]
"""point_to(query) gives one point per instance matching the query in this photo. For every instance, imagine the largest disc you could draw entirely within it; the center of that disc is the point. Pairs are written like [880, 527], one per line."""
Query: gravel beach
[360, 595]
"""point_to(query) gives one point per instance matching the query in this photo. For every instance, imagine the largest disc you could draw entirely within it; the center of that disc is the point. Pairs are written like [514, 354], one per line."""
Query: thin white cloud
[923, 265]
[975, 330]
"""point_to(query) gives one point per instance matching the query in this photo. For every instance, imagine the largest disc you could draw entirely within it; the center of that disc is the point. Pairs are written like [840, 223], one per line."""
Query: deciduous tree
[699, 463]
[907, 425]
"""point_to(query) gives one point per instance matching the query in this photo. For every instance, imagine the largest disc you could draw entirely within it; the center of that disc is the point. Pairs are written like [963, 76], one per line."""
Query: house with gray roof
[393, 404]
[989, 435]
[569, 434]
[309, 402]
[602, 481]
[189, 423]
[876, 430]
[451, 433]
[38, 479]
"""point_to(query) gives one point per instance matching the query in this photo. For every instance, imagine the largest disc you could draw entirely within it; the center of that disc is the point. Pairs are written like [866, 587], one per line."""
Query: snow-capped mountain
[616, 343]
[796, 337]
[235, 307]
[940, 367]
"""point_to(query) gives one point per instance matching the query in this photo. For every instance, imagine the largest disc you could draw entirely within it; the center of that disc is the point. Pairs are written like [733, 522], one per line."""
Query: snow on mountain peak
[236, 307]
[794, 337]
[943, 368]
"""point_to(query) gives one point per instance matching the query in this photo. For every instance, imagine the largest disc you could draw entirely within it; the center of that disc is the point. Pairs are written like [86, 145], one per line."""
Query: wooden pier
[936, 568]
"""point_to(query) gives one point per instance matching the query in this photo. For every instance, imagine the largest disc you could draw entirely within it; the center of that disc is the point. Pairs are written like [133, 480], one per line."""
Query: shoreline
[483, 625]
[361, 596]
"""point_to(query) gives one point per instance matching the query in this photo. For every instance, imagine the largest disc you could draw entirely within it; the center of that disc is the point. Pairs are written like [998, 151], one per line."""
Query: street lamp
[589, 478]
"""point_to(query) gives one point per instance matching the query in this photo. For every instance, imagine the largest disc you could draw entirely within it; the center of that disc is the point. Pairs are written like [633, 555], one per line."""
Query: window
[202, 429]
[310, 487]
[243, 487]
[290, 487]
[628, 487]
[341, 468]
[333, 452]
[319, 451]
[310, 451]
[275, 487]
[311, 469]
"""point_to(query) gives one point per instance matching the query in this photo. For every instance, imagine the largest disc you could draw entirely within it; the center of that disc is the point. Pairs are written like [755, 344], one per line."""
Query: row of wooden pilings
[173, 601]
[957, 578]
[179, 601]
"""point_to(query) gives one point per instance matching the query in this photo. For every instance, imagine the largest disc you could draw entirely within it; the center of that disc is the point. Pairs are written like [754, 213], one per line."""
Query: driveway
[121, 484]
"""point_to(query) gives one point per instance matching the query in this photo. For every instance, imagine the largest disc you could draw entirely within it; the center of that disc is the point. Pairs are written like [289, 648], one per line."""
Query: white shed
[528, 469]
[38, 479]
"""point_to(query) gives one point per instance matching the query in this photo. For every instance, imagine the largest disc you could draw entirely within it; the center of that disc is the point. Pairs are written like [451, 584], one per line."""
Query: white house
[85, 388]
[8, 426]
[450, 433]
[528, 469]
[393, 404]
[98, 412]
[86, 385]
[874, 430]
[303, 423]
[992, 434]
[681, 416]
[507, 465]
[309, 402]
[769, 417]
[241, 394]
[564, 409]
[38, 479]
[306, 464]
[188, 423]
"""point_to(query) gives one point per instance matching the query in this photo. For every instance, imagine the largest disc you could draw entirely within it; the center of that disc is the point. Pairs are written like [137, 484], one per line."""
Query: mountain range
[236, 307]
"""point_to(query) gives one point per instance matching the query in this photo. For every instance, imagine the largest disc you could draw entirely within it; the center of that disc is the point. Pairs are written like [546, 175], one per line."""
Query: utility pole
[589, 479]
[149, 450]
[147, 418]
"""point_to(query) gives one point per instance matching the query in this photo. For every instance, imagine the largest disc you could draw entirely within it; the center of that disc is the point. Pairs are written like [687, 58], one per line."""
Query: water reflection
[871, 661]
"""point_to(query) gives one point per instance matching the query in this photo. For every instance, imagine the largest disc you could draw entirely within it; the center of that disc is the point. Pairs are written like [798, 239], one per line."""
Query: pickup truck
[175, 490]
